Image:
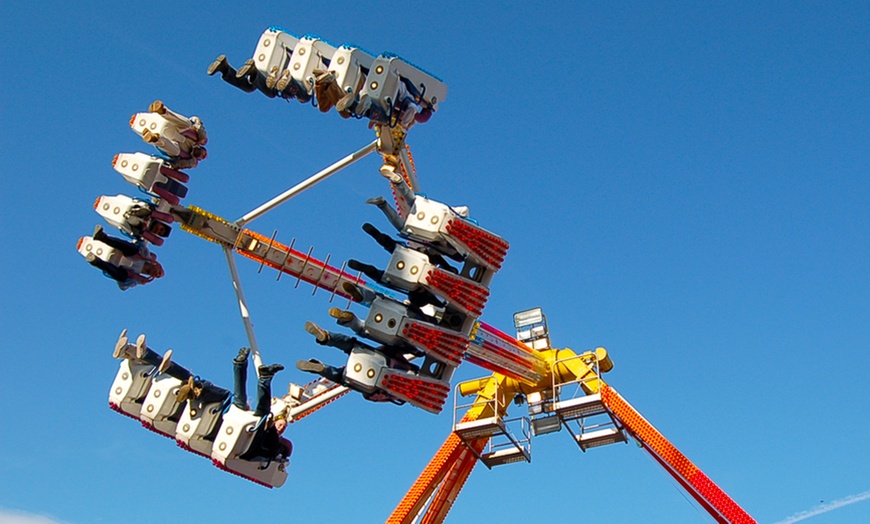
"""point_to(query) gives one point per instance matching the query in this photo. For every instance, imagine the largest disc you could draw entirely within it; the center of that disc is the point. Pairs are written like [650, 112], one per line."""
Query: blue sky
[684, 184]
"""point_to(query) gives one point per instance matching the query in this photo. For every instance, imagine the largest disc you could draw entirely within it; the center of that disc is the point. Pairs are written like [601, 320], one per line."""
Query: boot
[242, 357]
[269, 371]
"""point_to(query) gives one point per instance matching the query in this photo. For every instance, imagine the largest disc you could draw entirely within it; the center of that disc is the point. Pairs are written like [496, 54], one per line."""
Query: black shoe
[218, 66]
[379, 201]
[268, 371]
[242, 357]
[356, 265]
[99, 234]
[354, 292]
[383, 240]
[311, 366]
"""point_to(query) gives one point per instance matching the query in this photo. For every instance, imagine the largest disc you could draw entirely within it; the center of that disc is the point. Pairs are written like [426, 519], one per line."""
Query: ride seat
[160, 409]
[198, 426]
[233, 439]
[130, 387]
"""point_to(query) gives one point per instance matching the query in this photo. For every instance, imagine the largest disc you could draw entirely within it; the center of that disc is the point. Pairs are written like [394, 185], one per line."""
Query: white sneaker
[164, 364]
[141, 347]
[121, 345]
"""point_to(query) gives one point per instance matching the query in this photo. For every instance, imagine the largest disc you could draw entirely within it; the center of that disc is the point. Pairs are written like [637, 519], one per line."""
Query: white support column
[309, 182]
[243, 308]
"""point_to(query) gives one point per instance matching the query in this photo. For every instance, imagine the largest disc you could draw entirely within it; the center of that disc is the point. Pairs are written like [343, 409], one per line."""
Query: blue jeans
[240, 396]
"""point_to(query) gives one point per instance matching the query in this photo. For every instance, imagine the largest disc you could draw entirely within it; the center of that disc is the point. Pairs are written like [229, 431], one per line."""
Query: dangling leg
[128, 249]
[228, 74]
[264, 388]
[240, 377]
[389, 211]
[383, 240]
[330, 373]
[349, 320]
[367, 269]
[330, 338]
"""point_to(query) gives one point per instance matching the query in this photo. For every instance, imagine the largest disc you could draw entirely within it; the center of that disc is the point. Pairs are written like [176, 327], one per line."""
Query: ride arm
[710, 496]
[445, 475]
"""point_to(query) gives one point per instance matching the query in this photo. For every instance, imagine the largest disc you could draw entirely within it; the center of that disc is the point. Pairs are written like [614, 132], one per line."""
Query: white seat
[198, 426]
[233, 439]
[160, 409]
[130, 387]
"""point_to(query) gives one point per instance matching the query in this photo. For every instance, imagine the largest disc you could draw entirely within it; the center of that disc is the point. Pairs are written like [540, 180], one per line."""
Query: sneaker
[242, 357]
[341, 315]
[141, 347]
[351, 289]
[248, 70]
[150, 137]
[356, 265]
[121, 345]
[311, 366]
[272, 78]
[284, 81]
[269, 371]
[218, 66]
[157, 107]
[389, 172]
[377, 201]
[164, 364]
[320, 334]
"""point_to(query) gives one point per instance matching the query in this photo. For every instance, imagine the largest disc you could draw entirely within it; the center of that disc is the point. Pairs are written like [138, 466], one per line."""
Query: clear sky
[685, 184]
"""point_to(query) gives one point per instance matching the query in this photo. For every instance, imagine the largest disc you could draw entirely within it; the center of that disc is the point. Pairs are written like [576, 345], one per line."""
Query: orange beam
[678, 465]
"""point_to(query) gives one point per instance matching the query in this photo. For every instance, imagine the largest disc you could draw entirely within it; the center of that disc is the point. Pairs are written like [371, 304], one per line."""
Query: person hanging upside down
[268, 442]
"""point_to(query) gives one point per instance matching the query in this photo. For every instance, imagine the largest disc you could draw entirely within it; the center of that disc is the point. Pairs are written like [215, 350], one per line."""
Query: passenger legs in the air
[330, 373]
[348, 319]
[264, 383]
[330, 338]
[228, 74]
[141, 352]
[128, 249]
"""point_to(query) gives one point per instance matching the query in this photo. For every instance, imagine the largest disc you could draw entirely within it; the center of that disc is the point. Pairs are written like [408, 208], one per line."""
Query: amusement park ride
[423, 308]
